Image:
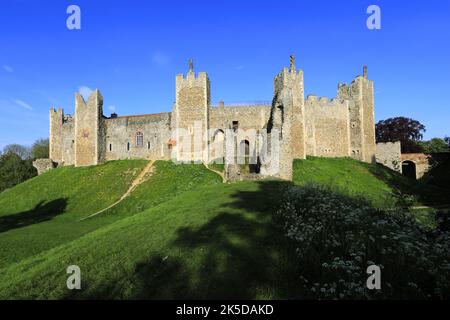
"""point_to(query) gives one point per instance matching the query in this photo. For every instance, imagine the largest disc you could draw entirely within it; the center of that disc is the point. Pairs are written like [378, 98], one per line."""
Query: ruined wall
[389, 154]
[43, 165]
[68, 141]
[89, 130]
[56, 135]
[327, 127]
[121, 137]
[192, 116]
[286, 125]
[251, 120]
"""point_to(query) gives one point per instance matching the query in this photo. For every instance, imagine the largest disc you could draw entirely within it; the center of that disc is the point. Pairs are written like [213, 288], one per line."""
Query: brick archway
[409, 169]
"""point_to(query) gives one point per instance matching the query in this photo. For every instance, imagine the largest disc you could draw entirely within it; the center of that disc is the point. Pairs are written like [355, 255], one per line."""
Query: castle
[197, 131]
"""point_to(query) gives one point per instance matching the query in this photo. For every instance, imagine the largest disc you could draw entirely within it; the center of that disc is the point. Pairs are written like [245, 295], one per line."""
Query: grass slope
[181, 234]
[45, 212]
[205, 243]
[354, 178]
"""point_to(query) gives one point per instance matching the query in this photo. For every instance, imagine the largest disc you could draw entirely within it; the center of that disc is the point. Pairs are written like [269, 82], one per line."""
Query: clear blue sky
[132, 50]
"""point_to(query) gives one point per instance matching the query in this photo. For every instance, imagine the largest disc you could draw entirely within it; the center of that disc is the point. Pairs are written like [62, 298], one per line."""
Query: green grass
[374, 182]
[205, 243]
[45, 212]
[180, 234]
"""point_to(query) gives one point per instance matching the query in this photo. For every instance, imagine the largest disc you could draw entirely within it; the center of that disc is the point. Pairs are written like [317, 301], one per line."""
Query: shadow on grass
[426, 194]
[240, 253]
[40, 213]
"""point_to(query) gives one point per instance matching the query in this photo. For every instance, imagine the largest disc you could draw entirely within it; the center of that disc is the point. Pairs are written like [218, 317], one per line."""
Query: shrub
[338, 237]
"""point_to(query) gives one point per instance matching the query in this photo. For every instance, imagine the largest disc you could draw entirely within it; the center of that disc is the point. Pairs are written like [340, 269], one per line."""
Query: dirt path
[440, 207]
[136, 182]
[215, 171]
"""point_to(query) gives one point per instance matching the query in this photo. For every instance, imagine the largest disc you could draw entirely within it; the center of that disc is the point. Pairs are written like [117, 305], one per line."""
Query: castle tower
[362, 119]
[56, 134]
[89, 130]
[192, 115]
[288, 118]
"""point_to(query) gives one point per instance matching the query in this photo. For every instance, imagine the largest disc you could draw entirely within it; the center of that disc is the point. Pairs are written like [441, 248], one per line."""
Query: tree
[447, 140]
[40, 149]
[22, 151]
[405, 130]
[435, 145]
[14, 170]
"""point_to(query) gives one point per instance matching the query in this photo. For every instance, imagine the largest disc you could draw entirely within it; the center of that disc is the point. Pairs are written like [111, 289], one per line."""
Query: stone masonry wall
[56, 135]
[192, 116]
[121, 137]
[389, 154]
[88, 117]
[68, 141]
[327, 127]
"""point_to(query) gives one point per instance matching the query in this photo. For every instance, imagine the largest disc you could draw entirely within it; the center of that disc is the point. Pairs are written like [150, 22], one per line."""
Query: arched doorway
[244, 152]
[218, 146]
[409, 169]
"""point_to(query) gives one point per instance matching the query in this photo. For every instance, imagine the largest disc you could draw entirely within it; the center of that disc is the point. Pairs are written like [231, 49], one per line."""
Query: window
[235, 125]
[110, 147]
[128, 146]
[148, 145]
[139, 139]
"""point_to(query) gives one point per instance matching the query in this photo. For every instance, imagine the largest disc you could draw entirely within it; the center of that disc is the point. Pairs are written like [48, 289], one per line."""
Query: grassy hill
[180, 234]
[45, 212]
[354, 178]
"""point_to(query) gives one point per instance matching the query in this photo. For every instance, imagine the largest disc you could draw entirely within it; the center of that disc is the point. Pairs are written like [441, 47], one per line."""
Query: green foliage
[439, 176]
[14, 170]
[405, 130]
[22, 151]
[435, 145]
[40, 149]
[338, 237]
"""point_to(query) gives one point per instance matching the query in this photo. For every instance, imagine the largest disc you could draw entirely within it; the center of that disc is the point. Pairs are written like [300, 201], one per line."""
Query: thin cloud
[85, 91]
[239, 68]
[22, 104]
[112, 108]
[160, 59]
[8, 68]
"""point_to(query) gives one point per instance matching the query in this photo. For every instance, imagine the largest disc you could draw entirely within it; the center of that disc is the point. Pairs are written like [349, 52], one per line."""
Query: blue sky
[132, 50]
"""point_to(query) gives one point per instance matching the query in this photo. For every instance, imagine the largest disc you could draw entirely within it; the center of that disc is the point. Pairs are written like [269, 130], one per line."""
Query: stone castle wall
[192, 115]
[122, 133]
[327, 127]
[88, 130]
[389, 154]
[319, 127]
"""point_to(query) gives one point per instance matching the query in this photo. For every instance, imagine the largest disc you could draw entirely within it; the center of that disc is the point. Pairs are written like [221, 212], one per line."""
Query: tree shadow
[425, 194]
[40, 213]
[239, 254]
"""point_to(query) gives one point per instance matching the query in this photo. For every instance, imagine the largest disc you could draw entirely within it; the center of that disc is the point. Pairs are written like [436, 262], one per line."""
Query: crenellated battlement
[320, 126]
[313, 100]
